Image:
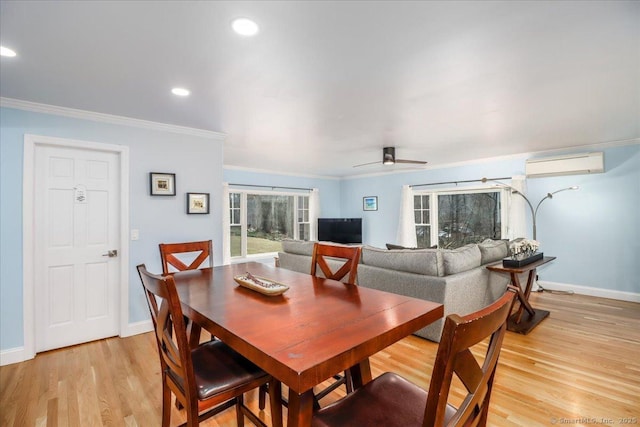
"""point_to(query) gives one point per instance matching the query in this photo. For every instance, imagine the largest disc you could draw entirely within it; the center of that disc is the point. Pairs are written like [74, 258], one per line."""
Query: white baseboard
[136, 328]
[17, 354]
[594, 292]
[13, 355]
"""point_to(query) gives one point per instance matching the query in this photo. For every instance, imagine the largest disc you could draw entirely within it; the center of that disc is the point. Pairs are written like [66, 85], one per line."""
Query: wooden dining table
[316, 329]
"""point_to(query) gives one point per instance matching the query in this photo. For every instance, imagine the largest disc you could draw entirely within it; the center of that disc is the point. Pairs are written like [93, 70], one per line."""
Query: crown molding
[108, 118]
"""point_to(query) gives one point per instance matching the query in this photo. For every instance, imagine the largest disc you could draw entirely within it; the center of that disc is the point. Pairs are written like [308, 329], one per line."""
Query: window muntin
[236, 224]
[422, 210]
[460, 217]
[304, 224]
[260, 221]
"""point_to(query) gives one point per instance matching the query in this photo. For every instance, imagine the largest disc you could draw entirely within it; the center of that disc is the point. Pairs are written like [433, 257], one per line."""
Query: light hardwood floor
[581, 366]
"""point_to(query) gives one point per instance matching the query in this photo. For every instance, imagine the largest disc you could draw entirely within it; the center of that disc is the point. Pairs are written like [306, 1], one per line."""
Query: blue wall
[159, 219]
[594, 232]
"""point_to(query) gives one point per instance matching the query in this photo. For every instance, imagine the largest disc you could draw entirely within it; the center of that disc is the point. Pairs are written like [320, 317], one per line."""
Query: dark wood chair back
[198, 253]
[393, 401]
[454, 357]
[350, 254]
[206, 379]
[170, 331]
[203, 251]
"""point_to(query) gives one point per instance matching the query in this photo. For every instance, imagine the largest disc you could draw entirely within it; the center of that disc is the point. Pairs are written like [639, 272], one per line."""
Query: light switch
[135, 234]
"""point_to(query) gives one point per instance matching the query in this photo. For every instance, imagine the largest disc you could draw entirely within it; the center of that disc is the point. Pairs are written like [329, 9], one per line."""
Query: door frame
[31, 144]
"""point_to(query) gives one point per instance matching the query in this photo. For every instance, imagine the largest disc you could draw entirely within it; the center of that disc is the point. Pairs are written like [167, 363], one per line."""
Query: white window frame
[298, 209]
[422, 224]
[243, 219]
[505, 197]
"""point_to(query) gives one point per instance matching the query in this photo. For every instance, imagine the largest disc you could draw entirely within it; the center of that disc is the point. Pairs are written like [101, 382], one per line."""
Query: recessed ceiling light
[245, 27]
[5, 51]
[180, 91]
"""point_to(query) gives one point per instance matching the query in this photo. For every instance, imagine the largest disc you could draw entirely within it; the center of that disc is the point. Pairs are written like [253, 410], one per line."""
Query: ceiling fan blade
[367, 164]
[415, 162]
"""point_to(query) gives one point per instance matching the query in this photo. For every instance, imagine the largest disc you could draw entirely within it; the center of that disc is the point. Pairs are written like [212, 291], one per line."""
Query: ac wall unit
[574, 164]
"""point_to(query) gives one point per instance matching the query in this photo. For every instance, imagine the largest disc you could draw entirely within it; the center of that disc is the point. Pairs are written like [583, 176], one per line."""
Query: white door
[77, 226]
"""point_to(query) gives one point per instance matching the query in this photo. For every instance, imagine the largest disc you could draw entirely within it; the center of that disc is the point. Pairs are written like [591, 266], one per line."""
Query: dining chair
[392, 401]
[186, 256]
[349, 257]
[346, 258]
[199, 253]
[207, 379]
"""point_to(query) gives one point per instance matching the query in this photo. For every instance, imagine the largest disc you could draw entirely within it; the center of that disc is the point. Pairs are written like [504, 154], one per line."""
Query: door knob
[111, 254]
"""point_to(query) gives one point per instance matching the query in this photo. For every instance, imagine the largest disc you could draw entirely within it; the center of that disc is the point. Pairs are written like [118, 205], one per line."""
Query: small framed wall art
[162, 184]
[370, 203]
[197, 203]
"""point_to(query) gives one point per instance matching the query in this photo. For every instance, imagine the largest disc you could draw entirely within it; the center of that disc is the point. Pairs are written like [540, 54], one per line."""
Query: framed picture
[197, 203]
[162, 184]
[370, 203]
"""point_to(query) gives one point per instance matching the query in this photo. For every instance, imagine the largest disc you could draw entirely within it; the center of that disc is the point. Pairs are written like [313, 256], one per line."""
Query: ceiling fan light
[388, 155]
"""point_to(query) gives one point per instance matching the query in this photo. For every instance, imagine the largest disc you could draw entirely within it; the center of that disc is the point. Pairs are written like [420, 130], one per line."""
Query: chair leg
[239, 411]
[262, 395]
[192, 413]
[275, 402]
[348, 381]
[166, 404]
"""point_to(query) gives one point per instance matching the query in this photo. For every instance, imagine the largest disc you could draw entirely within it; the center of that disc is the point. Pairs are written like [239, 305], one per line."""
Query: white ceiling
[326, 84]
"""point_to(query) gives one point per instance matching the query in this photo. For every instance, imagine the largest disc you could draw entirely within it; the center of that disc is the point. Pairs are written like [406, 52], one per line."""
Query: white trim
[13, 355]
[594, 292]
[141, 327]
[19, 354]
[108, 118]
[28, 190]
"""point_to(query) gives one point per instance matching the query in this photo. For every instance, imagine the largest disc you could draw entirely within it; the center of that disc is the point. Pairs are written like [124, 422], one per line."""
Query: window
[259, 221]
[459, 217]
[423, 227]
[236, 224]
[304, 226]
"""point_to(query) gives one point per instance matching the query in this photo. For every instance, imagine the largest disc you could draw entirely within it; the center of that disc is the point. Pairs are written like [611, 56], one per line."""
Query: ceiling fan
[389, 158]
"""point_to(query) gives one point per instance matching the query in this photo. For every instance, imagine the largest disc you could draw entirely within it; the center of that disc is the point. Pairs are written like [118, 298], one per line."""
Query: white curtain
[407, 225]
[226, 225]
[314, 213]
[517, 209]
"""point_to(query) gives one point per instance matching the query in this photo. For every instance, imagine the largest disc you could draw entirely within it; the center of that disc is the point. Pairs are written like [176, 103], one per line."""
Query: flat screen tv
[340, 230]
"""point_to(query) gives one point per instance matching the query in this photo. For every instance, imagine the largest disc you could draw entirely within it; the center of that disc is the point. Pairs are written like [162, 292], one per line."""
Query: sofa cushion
[299, 247]
[393, 246]
[419, 261]
[493, 250]
[461, 259]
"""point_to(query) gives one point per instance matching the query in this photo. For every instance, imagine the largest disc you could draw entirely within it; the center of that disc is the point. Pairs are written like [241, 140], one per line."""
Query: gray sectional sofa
[456, 278]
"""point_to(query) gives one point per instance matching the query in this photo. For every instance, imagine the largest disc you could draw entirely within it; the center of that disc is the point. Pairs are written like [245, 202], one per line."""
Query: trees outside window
[259, 222]
[460, 217]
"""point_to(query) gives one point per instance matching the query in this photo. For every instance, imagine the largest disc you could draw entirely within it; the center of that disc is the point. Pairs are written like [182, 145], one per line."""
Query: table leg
[300, 408]
[523, 297]
[516, 323]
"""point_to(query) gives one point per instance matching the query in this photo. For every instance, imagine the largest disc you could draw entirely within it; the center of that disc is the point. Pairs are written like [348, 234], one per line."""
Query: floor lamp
[534, 213]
